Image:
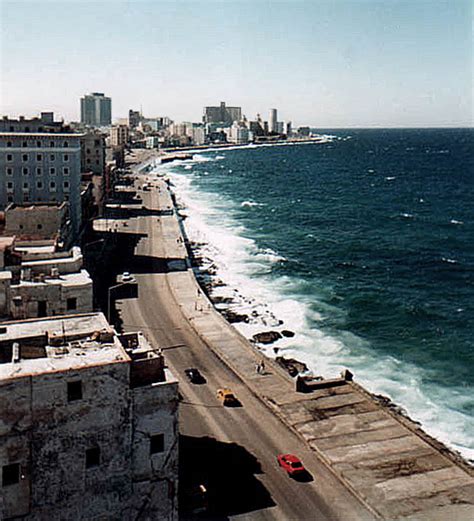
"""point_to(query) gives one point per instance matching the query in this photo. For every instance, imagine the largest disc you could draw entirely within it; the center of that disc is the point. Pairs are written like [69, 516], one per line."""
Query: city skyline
[325, 64]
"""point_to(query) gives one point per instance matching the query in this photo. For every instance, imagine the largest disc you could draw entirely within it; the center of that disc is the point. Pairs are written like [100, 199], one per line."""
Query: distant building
[40, 166]
[96, 110]
[222, 114]
[289, 129]
[272, 121]
[280, 127]
[238, 134]
[134, 118]
[118, 135]
[89, 422]
[93, 152]
[304, 131]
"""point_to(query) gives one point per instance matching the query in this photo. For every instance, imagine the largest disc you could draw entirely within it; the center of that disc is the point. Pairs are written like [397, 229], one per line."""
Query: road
[232, 450]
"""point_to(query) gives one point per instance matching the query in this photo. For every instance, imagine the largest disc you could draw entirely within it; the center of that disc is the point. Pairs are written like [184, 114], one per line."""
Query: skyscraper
[96, 110]
[222, 114]
[272, 121]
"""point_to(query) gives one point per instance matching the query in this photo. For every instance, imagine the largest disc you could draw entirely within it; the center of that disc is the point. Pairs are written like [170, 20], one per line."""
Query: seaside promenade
[384, 460]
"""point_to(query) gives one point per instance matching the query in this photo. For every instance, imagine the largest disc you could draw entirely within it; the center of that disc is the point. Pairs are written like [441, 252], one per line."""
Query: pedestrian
[257, 368]
[262, 366]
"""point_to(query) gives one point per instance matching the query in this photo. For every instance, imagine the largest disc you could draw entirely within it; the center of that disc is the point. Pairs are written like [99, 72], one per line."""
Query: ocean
[363, 246]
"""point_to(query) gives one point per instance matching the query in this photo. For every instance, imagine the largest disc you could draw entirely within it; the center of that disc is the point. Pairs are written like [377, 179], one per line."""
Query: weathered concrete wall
[155, 476]
[48, 435]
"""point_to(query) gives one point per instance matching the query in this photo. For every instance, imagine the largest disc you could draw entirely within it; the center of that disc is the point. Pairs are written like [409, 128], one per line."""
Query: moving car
[194, 376]
[227, 397]
[291, 464]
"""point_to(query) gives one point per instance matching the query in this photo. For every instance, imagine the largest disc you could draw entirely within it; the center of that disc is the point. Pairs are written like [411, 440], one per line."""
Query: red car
[291, 464]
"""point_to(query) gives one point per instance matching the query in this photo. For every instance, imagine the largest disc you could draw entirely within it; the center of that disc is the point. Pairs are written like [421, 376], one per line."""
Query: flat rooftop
[54, 344]
[81, 278]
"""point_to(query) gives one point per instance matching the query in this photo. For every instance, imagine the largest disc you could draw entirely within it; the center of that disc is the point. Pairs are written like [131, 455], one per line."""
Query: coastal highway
[231, 450]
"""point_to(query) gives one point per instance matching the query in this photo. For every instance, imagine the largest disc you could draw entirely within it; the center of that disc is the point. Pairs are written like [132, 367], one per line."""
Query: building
[119, 135]
[289, 129]
[93, 153]
[134, 118]
[45, 123]
[222, 114]
[89, 423]
[40, 167]
[96, 110]
[238, 134]
[38, 279]
[273, 121]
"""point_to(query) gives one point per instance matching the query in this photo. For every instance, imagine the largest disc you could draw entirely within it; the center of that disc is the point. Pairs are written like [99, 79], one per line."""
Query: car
[127, 277]
[227, 397]
[291, 464]
[194, 376]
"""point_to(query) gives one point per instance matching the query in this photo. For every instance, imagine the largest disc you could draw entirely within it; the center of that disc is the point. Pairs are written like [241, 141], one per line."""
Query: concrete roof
[40, 134]
[77, 353]
[81, 278]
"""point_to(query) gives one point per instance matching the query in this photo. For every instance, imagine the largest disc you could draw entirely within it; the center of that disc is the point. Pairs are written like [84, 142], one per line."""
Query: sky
[323, 63]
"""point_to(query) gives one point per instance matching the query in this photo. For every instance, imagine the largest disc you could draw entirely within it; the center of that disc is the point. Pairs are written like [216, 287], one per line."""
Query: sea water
[363, 246]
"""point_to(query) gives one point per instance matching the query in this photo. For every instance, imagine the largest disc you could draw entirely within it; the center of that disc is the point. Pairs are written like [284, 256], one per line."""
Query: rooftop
[54, 344]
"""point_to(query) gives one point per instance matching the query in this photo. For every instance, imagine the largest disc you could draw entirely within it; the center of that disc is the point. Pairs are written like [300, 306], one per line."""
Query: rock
[233, 317]
[287, 333]
[267, 337]
[291, 365]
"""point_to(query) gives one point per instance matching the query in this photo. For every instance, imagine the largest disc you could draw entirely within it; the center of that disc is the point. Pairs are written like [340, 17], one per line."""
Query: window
[66, 185]
[9, 144]
[97, 143]
[66, 197]
[27, 129]
[39, 170]
[25, 170]
[51, 144]
[39, 226]
[88, 161]
[71, 303]
[66, 144]
[74, 391]
[9, 157]
[10, 185]
[24, 144]
[39, 185]
[38, 144]
[88, 151]
[9, 170]
[24, 157]
[52, 186]
[26, 186]
[26, 197]
[39, 157]
[52, 170]
[96, 161]
[157, 443]
[10, 198]
[66, 170]
[92, 457]
[66, 158]
[10, 474]
[52, 157]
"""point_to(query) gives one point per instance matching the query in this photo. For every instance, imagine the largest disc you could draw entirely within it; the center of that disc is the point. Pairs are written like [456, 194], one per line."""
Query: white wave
[188, 167]
[282, 302]
[250, 204]
[407, 215]
[370, 171]
[390, 178]
[449, 261]
[454, 221]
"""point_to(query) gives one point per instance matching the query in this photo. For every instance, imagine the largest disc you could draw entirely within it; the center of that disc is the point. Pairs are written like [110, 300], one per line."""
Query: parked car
[127, 277]
[291, 464]
[227, 397]
[194, 376]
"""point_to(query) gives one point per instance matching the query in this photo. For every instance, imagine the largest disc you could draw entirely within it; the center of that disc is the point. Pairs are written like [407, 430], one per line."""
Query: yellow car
[227, 397]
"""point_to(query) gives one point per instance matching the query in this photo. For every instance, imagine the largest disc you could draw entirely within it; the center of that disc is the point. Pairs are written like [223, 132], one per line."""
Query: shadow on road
[227, 471]
[304, 477]
[141, 264]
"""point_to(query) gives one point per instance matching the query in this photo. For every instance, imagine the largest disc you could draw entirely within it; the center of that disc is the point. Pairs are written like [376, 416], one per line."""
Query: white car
[127, 277]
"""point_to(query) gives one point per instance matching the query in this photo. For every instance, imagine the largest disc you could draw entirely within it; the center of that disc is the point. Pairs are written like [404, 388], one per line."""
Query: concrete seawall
[384, 458]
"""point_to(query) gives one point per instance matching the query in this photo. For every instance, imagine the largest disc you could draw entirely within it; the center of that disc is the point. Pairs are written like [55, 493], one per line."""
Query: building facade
[119, 135]
[222, 114]
[93, 150]
[96, 110]
[41, 168]
[89, 423]
[273, 121]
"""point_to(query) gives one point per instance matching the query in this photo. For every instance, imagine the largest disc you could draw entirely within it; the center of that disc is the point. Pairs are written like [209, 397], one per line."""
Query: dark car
[194, 376]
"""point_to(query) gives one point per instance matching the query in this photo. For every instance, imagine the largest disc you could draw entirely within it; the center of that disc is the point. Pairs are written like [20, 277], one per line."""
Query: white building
[238, 134]
[89, 424]
[272, 121]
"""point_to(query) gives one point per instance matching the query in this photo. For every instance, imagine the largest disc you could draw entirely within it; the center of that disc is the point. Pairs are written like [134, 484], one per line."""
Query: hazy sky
[329, 64]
